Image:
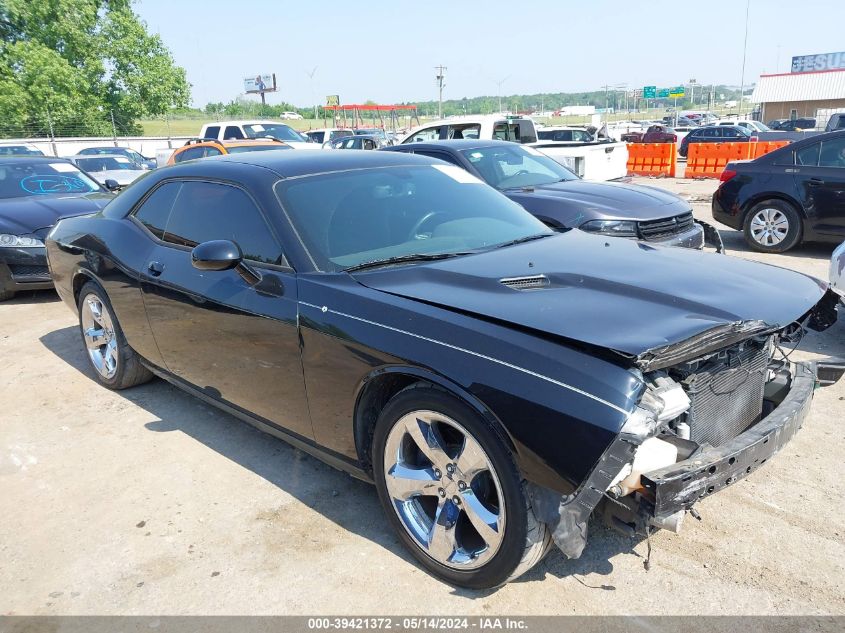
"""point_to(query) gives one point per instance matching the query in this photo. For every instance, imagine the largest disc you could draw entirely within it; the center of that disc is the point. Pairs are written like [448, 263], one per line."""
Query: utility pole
[744, 50]
[440, 77]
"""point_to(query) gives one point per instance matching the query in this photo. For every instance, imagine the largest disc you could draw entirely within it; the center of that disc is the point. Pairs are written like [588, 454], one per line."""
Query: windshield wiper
[400, 259]
[527, 238]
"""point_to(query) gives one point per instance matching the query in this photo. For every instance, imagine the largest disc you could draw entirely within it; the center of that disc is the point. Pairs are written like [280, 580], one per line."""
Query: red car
[654, 134]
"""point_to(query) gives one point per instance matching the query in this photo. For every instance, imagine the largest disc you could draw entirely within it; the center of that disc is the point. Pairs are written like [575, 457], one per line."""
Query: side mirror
[111, 184]
[216, 255]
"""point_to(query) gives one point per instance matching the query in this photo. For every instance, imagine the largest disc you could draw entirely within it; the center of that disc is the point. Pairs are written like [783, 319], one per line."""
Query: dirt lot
[150, 502]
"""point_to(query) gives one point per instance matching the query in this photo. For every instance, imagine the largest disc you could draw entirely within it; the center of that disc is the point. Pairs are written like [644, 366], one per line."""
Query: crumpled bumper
[679, 486]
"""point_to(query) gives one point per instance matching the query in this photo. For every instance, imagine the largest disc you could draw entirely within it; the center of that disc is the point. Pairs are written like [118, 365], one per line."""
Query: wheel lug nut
[450, 469]
[437, 473]
[461, 485]
[441, 492]
[456, 500]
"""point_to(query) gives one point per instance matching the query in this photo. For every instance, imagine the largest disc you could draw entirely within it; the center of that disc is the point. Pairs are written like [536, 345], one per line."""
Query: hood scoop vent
[526, 283]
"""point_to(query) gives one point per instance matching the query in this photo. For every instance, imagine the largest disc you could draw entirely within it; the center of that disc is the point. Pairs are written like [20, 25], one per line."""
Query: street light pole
[499, 89]
[313, 98]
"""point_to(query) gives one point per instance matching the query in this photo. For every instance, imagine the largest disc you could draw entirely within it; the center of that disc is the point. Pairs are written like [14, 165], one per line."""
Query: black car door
[219, 330]
[820, 178]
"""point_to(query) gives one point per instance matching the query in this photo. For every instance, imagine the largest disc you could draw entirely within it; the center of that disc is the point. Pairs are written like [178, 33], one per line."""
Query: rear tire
[772, 226]
[115, 364]
[452, 492]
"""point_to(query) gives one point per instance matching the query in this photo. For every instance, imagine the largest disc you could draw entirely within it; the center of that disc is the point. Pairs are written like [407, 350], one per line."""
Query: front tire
[115, 364]
[451, 491]
[772, 226]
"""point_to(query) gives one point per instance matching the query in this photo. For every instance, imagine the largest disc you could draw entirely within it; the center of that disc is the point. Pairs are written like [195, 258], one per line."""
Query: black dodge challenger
[498, 381]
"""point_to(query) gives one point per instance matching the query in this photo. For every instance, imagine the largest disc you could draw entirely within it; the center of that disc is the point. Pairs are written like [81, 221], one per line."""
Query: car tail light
[726, 175]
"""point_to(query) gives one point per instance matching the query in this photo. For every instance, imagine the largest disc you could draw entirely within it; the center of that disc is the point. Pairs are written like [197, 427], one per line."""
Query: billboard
[825, 61]
[260, 83]
[332, 100]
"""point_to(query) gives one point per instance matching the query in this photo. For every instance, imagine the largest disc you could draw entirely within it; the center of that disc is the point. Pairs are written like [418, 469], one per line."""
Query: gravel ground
[150, 502]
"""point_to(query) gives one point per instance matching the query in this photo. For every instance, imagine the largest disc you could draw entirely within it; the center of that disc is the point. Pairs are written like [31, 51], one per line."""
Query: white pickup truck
[598, 159]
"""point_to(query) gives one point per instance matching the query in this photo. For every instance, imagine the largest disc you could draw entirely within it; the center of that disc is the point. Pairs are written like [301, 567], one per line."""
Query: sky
[386, 51]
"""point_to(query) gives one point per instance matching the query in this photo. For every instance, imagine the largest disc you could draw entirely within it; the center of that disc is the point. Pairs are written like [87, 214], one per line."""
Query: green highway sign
[649, 92]
[677, 92]
[663, 93]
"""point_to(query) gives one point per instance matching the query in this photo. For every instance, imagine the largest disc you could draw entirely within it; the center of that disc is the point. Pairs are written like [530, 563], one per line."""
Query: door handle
[815, 182]
[155, 268]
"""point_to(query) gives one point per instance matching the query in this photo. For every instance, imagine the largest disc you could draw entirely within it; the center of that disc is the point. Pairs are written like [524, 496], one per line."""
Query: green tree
[78, 65]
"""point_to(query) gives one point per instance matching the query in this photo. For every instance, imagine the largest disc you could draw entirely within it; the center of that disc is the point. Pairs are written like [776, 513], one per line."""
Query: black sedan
[791, 195]
[715, 134]
[411, 325]
[561, 200]
[33, 193]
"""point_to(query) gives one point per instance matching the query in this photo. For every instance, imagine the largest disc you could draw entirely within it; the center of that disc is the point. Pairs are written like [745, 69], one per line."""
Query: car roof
[292, 164]
[33, 159]
[97, 156]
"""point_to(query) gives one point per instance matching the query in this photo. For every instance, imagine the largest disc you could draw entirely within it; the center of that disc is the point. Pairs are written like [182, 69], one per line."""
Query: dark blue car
[561, 200]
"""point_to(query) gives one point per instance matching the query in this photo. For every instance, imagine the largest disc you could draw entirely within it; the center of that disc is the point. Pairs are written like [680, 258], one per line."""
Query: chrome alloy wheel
[445, 490]
[100, 339]
[769, 226]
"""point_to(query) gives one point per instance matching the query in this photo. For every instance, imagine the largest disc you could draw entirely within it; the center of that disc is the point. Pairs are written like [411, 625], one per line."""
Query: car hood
[618, 294]
[602, 200]
[23, 216]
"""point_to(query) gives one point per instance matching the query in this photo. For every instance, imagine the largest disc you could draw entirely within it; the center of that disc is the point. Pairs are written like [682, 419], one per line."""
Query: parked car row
[500, 382]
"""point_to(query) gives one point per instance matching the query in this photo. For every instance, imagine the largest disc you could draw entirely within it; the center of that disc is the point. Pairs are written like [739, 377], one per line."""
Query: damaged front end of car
[714, 408]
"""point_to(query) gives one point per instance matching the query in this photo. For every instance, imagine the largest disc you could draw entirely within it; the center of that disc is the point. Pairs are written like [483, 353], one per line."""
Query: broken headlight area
[701, 424]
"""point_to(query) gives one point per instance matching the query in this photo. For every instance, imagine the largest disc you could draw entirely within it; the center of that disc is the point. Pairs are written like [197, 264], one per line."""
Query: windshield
[20, 180]
[237, 149]
[515, 166]
[349, 218]
[106, 163]
[276, 130]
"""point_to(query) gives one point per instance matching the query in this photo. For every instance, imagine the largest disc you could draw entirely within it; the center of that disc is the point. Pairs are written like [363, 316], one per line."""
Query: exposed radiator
[726, 395]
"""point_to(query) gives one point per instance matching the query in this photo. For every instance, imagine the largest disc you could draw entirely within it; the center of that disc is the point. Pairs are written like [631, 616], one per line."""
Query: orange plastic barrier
[651, 159]
[764, 147]
[708, 160]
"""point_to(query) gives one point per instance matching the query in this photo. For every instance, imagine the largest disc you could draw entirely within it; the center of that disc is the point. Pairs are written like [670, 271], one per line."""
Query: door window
[189, 154]
[467, 130]
[428, 134]
[710, 132]
[832, 153]
[212, 132]
[204, 211]
[233, 132]
[155, 210]
[808, 156]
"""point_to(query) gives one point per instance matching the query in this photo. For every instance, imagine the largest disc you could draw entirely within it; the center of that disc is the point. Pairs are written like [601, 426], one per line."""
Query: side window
[155, 210]
[206, 211]
[710, 132]
[500, 131]
[212, 151]
[833, 153]
[428, 134]
[730, 133]
[233, 132]
[472, 130]
[440, 155]
[212, 131]
[189, 154]
[369, 143]
[808, 156]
